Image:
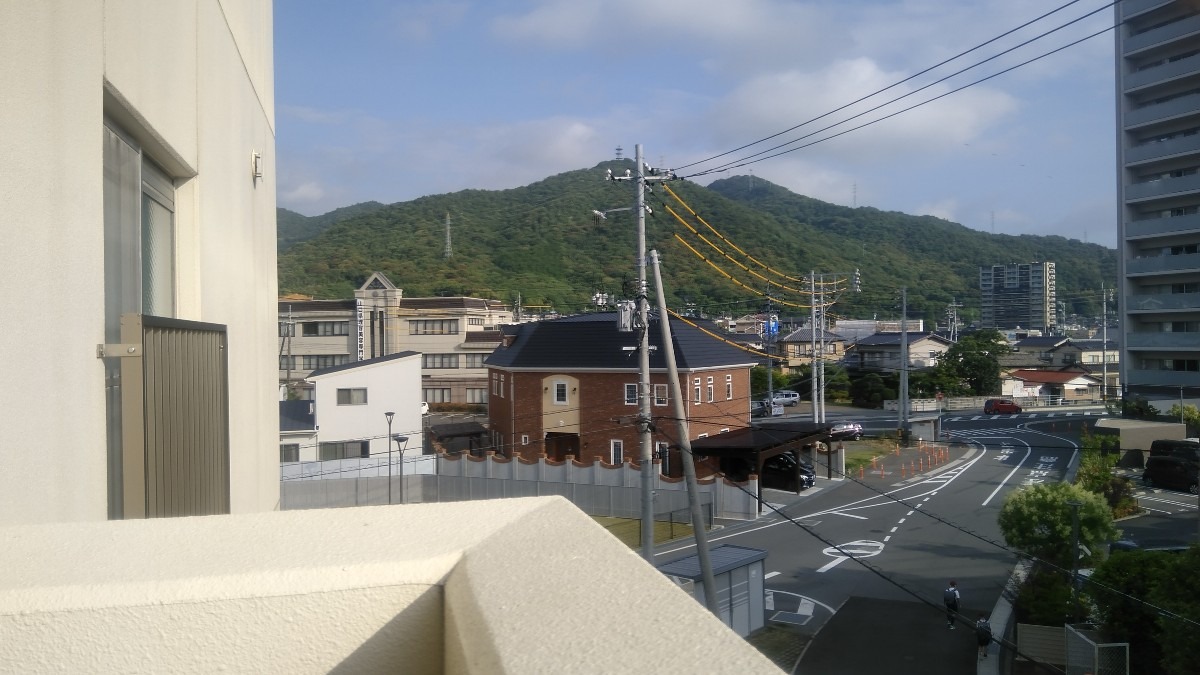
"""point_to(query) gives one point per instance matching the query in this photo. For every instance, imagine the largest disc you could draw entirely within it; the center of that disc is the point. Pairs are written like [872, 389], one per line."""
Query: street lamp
[389, 415]
[400, 439]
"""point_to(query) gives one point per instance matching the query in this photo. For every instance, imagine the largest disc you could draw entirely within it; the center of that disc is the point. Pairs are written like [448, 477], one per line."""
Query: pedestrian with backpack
[950, 597]
[983, 634]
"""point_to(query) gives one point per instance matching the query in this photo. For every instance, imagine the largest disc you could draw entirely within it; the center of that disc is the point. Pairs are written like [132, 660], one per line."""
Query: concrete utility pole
[812, 346]
[685, 445]
[904, 365]
[646, 455]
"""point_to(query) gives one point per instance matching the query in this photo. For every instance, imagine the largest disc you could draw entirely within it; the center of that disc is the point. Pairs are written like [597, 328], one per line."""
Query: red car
[995, 406]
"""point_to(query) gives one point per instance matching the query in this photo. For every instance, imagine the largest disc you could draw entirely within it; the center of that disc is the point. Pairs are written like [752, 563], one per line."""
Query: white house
[351, 405]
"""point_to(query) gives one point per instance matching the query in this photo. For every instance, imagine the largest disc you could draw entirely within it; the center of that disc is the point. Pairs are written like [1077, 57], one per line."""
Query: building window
[524, 439]
[433, 327]
[439, 361]
[287, 329]
[477, 396]
[352, 396]
[660, 394]
[710, 390]
[287, 363]
[501, 394]
[324, 361]
[289, 452]
[473, 360]
[696, 390]
[663, 451]
[560, 393]
[436, 395]
[475, 321]
[728, 387]
[631, 394]
[323, 328]
[616, 451]
[345, 450]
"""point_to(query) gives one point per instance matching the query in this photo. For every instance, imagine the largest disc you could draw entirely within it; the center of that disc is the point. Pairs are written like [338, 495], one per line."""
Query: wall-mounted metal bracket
[118, 350]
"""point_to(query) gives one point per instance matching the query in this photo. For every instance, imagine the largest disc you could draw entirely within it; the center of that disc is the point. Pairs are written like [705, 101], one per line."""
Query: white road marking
[771, 575]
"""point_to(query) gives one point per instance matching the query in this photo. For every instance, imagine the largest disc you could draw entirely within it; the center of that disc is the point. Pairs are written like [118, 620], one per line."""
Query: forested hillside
[544, 242]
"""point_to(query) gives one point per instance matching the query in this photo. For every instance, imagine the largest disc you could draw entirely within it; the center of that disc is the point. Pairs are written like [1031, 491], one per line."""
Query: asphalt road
[856, 567]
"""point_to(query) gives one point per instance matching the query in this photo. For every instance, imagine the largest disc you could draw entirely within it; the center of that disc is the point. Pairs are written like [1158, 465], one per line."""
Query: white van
[785, 397]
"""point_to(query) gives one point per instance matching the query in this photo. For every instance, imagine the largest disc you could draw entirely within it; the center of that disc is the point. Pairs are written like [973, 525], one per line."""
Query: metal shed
[738, 574]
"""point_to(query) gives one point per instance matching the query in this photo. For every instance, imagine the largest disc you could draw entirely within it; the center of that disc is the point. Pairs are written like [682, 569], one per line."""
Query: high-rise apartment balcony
[1170, 148]
[501, 586]
[1161, 341]
[1162, 378]
[1134, 7]
[1163, 264]
[1157, 227]
[1172, 70]
[1160, 35]
[1162, 188]
[1162, 302]
[1183, 106]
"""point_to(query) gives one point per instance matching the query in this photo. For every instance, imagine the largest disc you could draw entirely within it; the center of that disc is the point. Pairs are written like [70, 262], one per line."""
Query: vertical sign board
[358, 316]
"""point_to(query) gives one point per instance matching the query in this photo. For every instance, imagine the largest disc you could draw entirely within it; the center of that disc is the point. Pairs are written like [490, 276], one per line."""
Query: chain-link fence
[1085, 656]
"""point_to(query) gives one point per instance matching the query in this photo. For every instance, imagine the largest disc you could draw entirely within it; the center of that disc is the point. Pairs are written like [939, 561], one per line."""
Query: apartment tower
[1018, 296]
[1158, 188]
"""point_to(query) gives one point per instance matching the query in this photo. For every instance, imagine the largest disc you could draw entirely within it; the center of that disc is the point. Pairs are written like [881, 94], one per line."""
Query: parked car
[995, 406]
[1189, 450]
[785, 397]
[760, 408]
[1172, 472]
[846, 430]
[780, 472]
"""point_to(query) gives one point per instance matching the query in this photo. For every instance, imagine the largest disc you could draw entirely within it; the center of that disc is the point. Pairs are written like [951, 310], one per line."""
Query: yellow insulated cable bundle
[730, 277]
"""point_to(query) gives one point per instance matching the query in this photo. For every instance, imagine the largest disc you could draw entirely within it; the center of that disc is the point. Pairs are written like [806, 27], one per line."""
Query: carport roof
[759, 438]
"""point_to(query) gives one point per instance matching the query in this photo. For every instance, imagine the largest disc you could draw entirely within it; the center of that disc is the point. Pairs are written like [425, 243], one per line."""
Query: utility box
[738, 577]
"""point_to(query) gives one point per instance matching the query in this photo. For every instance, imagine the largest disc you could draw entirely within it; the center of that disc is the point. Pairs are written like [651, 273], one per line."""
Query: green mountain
[543, 242]
[292, 228]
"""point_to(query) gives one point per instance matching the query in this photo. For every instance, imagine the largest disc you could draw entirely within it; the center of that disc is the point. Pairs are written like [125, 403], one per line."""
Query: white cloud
[309, 192]
[420, 22]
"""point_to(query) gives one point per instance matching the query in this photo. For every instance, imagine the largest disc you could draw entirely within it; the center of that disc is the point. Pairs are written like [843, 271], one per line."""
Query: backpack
[949, 597]
[983, 629]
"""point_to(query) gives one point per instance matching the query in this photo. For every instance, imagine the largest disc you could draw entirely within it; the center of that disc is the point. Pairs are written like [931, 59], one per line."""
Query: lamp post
[399, 439]
[389, 415]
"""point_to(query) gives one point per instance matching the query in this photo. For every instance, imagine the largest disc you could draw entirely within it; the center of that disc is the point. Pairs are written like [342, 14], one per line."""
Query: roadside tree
[974, 362]
[1038, 521]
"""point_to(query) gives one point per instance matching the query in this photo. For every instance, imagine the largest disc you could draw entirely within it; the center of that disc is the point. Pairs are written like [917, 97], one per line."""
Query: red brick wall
[604, 416]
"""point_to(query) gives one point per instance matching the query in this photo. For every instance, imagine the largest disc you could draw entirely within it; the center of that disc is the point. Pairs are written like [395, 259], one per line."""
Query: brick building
[568, 387]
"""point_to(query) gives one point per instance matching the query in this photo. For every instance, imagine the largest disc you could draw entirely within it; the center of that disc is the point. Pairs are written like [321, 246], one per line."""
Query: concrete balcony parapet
[465, 587]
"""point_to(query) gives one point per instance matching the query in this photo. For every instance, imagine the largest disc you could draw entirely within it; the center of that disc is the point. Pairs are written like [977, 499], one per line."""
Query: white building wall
[392, 385]
[194, 80]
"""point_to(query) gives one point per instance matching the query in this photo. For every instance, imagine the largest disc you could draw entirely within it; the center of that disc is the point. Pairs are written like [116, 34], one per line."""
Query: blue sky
[391, 101]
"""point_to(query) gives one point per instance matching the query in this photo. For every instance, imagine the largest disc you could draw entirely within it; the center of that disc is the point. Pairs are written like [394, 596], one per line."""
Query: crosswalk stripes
[1025, 416]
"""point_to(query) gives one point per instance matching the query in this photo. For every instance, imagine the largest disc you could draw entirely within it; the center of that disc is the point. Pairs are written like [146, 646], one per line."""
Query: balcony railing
[1160, 35]
[1159, 112]
[1155, 227]
[1134, 7]
[1162, 378]
[1163, 302]
[1162, 341]
[1162, 188]
[430, 588]
[1163, 264]
[1173, 70]
[1174, 147]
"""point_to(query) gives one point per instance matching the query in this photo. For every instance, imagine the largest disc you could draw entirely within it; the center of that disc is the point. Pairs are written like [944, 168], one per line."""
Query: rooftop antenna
[854, 199]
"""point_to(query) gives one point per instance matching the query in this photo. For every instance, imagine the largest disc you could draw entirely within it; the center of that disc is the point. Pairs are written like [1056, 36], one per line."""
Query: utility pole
[904, 365]
[812, 345]
[1104, 344]
[769, 343]
[685, 445]
[645, 433]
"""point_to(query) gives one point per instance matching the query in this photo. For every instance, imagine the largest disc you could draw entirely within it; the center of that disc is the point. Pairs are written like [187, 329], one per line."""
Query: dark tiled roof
[361, 364]
[721, 559]
[1040, 341]
[1093, 345]
[590, 341]
[316, 306]
[806, 335]
[483, 336]
[881, 339]
[445, 303]
[297, 416]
